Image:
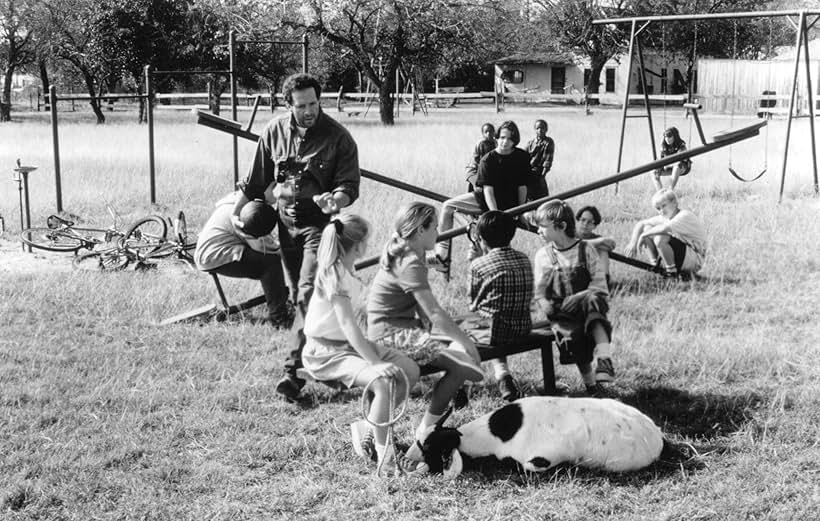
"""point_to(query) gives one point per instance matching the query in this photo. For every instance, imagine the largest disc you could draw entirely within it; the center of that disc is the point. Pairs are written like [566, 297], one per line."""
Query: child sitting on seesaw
[675, 240]
[571, 291]
[501, 284]
[587, 220]
[336, 349]
[402, 311]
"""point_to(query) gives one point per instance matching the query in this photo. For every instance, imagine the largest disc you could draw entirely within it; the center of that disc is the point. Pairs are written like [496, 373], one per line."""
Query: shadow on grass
[656, 285]
[701, 416]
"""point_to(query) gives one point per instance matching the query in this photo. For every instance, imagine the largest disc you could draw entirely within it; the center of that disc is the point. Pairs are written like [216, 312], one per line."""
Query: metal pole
[28, 212]
[805, 31]
[232, 49]
[646, 100]
[305, 44]
[149, 111]
[52, 94]
[707, 16]
[19, 180]
[626, 99]
[595, 185]
[800, 25]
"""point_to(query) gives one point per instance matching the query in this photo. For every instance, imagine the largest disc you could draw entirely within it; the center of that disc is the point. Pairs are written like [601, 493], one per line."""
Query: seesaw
[721, 140]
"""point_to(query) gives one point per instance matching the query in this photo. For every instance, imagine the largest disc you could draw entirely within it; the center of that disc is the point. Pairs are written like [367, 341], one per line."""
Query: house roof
[541, 58]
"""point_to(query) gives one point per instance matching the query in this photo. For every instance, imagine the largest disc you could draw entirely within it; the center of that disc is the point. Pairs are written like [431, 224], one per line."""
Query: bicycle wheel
[62, 239]
[111, 260]
[187, 241]
[146, 235]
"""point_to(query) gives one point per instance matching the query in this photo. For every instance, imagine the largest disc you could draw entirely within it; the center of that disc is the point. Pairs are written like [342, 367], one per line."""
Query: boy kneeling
[571, 290]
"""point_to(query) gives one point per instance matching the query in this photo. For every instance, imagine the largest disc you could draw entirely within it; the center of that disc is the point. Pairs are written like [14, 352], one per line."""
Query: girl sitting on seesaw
[672, 144]
[337, 349]
[401, 312]
[571, 291]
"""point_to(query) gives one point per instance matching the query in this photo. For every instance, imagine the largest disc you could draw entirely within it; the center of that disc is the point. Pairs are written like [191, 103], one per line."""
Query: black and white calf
[542, 432]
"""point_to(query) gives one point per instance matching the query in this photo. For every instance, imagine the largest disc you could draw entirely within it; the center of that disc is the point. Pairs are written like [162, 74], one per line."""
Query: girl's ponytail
[339, 236]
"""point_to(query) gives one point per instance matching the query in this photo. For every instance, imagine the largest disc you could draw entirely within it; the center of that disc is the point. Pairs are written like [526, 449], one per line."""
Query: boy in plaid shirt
[501, 288]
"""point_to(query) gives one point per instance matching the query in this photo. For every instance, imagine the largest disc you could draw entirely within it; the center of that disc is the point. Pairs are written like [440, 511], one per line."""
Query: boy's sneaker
[509, 391]
[364, 442]
[461, 400]
[396, 464]
[283, 316]
[289, 387]
[597, 391]
[605, 372]
[474, 372]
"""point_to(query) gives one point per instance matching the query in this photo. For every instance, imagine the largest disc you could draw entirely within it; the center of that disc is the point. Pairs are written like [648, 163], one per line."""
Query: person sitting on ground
[587, 219]
[402, 311]
[501, 283]
[542, 151]
[336, 349]
[501, 184]
[672, 144]
[674, 241]
[571, 292]
[483, 147]
[250, 252]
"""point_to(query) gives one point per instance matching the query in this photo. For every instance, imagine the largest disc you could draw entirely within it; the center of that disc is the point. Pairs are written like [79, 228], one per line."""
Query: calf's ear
[456, 466]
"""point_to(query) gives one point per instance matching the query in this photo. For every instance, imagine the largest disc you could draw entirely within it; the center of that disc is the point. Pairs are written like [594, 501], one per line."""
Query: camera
[289, 168]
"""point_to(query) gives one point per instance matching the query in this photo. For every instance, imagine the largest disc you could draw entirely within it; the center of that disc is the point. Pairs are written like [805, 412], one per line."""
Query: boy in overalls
[571, 290]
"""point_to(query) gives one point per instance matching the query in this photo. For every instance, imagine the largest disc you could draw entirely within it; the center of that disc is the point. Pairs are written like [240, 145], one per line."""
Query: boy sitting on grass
[571, 291]
[501, 283]
[675, 240]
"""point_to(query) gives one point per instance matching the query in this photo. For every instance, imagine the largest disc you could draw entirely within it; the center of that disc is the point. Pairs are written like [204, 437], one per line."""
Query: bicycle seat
[54, 222]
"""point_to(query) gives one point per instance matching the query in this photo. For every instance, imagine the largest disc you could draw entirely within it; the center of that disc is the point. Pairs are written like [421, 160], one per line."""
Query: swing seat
[751, 130]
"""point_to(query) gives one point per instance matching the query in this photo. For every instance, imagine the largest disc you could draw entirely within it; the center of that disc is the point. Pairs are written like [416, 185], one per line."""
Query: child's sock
[603, 350]
[428, 420]
[500, 369]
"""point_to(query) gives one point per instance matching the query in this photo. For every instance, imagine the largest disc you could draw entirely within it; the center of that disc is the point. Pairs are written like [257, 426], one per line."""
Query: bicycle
[141, 244]
[61, 235]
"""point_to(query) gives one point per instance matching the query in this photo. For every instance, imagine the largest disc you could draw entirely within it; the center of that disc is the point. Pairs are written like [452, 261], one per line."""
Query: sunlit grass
[105, 415]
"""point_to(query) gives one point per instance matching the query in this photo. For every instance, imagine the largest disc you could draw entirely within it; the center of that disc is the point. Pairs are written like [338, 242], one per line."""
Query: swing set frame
[802, 26]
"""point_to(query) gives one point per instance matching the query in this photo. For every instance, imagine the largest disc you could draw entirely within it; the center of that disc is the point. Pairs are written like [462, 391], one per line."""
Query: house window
[664, 82]
[513, 76]
[610, 79]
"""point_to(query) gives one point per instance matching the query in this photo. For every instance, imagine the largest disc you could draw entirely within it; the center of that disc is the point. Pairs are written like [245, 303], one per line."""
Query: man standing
[313, 164]
[541, 151]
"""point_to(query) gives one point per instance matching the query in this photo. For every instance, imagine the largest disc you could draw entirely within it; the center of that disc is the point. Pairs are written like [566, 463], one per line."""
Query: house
[556, 76]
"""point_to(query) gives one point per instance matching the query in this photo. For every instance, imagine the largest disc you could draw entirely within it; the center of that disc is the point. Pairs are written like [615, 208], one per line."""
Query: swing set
[802, 25]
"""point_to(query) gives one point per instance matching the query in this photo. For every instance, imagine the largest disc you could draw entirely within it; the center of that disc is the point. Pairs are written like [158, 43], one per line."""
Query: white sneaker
[475, 374]
[364, 442]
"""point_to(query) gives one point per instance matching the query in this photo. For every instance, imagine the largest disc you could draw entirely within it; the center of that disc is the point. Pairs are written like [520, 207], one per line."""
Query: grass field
[103, 415]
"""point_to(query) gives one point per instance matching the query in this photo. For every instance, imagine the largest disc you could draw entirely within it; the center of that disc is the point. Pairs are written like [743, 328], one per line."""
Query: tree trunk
[386, 100]
[41, 65]
[218, 88]
[94, 101]
[5, 100]
[596, 65]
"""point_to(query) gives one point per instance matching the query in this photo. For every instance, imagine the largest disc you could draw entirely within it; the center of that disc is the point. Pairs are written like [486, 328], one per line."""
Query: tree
[16, 46]
[570, 21]
[383, 35]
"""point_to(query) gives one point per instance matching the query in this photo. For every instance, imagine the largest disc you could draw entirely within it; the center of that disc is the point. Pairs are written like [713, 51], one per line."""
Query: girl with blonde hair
[402, 311]
[336, 349]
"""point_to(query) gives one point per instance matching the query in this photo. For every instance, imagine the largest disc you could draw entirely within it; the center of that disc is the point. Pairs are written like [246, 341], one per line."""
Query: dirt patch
[14, 260]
